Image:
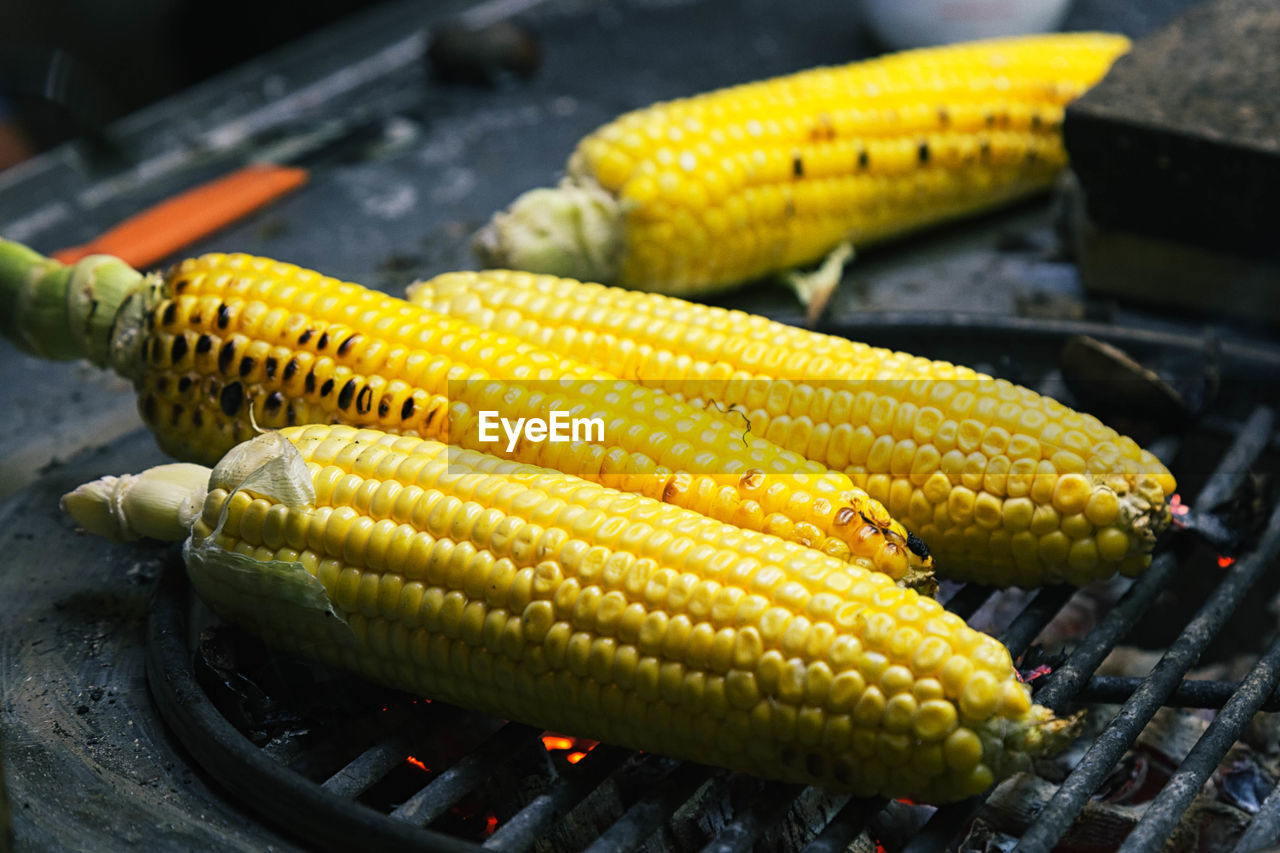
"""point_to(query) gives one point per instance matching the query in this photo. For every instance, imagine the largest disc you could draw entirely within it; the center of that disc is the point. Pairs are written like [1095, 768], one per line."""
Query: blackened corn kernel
[275, 345]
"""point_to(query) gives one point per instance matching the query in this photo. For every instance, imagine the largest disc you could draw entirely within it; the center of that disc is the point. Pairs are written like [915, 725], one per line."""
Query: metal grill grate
[1070, 679]
[616, 800]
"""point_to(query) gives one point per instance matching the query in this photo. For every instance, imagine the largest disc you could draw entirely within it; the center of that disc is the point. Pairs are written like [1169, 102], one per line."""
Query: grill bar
[442, 792]
[534, 821]
[1138, 711]
[1254, 437]
[1028, 624]
[852, 818]
[238, 765]
[367, 768]
[1067, 680]
[740, 834]
[968, 599]
[1111, 689]
[1224, 426]
[1163, 814]
[285, 750]
[653, 810]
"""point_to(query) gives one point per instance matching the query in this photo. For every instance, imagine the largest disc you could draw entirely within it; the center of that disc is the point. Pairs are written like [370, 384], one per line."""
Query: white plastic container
[917, 23]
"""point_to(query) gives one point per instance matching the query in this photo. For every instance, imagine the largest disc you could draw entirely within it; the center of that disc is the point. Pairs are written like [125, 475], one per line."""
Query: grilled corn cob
[695, 195]
[1005, 486]
[540, 597]
[225, 342]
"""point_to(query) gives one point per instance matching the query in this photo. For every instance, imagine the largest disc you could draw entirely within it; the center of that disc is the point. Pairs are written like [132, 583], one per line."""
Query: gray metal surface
[402, 171]
[90, 766]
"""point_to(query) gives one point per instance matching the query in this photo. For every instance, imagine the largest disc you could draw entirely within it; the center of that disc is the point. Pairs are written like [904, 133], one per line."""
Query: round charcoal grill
[342, 764]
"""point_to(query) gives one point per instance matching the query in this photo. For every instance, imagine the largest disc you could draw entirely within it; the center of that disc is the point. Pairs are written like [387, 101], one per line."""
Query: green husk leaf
[68, 312]
[265, 596]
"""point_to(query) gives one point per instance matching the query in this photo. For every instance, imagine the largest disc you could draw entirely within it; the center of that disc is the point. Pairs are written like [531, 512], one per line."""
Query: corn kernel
[868, 711]
[900, 712]
[1113, 544]
[962, 750]
[980, 695]
[935, 719]
[1014, 700]
[1102, 508]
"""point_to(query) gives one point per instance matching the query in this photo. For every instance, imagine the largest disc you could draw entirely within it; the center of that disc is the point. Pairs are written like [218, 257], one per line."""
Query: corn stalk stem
[65, 312]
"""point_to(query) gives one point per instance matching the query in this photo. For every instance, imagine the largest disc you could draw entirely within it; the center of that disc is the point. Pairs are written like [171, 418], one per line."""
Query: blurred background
[67, 67]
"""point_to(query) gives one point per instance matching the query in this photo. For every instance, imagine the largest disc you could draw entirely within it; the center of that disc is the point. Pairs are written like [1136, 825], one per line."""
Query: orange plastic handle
[163, 229]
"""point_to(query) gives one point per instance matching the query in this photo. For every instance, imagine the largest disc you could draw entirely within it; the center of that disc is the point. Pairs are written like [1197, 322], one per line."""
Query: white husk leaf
[572, 230]
[269, 596]
[160, 503]
[268, 466]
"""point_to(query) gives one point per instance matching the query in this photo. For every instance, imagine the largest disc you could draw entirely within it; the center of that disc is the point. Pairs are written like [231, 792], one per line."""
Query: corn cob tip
[921, 577]
[160, 503]
[1143, 513]
[571, 230]
[63, 312]
[1047, 735]
[1010, 746]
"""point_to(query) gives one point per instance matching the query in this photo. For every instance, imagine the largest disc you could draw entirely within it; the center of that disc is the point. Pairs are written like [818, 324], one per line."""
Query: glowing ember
[1225, 562]
[490, 824]
[1177, 507]
[1039, 672]
[1032, 674]
[552, 742]
[417, 762]
[579, 746]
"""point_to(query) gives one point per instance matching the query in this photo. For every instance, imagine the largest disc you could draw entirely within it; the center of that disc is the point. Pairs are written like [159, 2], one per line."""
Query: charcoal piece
[1245, 785]
[1181, 139]
[480, 56]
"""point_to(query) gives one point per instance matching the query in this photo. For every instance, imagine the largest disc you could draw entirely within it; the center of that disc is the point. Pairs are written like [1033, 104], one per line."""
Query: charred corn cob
[1005, 486]
[695, 195]
[540, 597]
[227, 342]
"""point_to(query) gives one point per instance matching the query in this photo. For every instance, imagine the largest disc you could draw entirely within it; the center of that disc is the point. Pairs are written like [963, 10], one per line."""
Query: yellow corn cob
[695, 195]
[535, 596]
[225, 342]
[1005, 486]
